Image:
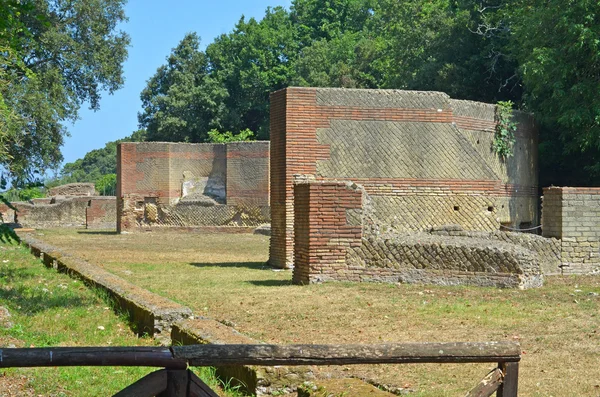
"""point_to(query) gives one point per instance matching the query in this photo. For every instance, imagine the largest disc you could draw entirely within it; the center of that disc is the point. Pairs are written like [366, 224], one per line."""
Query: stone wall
[101, 213]
[424, 159]
[73, 189]
[572, 214]
[61, 212]
[7, 215]
[192, 185]
[337, 238]
[70, 205]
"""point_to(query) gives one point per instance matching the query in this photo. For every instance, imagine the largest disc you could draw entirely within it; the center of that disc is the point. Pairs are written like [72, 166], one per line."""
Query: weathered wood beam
[177, 383]
[90, 356]
[509, 388]
[488, 385]
[177, 357]
[453, 352]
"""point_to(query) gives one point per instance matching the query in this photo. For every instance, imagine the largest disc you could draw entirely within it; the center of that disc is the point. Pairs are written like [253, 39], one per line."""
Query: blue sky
[155, 27]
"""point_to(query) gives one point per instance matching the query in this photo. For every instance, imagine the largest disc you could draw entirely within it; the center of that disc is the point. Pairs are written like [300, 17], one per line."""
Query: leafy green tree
[182, 102]
[345, 61]
[329, 19]
[60, 54]
[227, 136]
[250, 63]
[106, 185]
[558, 47]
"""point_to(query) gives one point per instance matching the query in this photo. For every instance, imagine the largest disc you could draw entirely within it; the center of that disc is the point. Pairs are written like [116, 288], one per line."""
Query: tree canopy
[541, 55]
[56, 56]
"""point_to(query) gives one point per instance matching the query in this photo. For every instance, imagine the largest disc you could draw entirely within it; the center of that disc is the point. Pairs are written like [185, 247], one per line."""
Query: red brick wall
[323, 233]
[280, 193]
[296, 115]
[248, 173]
[155, 172]
[101, 213]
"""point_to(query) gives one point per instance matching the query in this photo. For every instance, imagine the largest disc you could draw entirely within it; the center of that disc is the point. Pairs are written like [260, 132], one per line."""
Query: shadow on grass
[11, 274]
[101, 232]
[247, 265]
[29, 301]
[270, 283]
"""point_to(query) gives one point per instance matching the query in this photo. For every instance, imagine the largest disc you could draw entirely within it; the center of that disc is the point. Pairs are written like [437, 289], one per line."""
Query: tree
[558, 47]
[60, 54]
[250, 63]
[329, 19]
[182, 102]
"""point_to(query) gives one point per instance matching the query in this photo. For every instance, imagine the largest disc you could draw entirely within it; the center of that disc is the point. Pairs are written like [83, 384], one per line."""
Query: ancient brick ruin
[424, 158]
[373, 185]
[572, 214]
[161, 185]
[72, 205]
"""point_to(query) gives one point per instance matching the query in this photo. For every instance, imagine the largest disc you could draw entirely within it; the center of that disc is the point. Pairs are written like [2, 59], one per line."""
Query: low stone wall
[572, 215]
[151, 313]
[7, 215]
[67, 212]
[338, 237]
[548, 250]
[140, 213]
[101, 213]
[427, 259]
[74, 189]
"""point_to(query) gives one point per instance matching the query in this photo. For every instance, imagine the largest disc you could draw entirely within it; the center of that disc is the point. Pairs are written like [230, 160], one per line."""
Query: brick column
[322, 230]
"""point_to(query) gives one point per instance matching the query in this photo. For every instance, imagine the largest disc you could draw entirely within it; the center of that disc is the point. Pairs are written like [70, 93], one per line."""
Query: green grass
[51, 309]
[224, 277]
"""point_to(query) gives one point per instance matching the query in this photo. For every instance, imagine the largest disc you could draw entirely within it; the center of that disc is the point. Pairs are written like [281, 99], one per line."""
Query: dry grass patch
[224, 277]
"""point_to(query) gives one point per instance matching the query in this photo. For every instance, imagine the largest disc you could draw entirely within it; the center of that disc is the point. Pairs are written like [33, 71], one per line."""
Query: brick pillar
[322, 231]
[280, 236]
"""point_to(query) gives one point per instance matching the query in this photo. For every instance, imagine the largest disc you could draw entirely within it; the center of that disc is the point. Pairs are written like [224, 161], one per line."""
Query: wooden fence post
[511, 379]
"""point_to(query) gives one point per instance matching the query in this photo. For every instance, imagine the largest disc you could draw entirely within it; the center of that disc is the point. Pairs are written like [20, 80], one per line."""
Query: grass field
[224, 277]
[46, 308]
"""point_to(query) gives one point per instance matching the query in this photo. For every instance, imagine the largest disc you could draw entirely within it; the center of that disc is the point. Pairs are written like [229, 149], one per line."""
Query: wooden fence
[175, 380]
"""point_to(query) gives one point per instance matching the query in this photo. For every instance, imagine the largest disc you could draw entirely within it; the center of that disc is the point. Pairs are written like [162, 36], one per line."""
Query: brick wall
[336, 240]
[101, 213]
[192, 185]
[248, 173]
[573, 215]
[424, 158]
[322, 229]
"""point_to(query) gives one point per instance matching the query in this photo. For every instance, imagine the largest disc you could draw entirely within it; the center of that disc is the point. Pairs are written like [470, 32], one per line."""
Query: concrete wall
[192, 185]
[337, 239]
[572, 215]
[424, 159]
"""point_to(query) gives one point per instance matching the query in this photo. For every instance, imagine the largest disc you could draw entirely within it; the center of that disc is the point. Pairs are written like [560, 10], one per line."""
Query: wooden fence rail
[169, 382]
